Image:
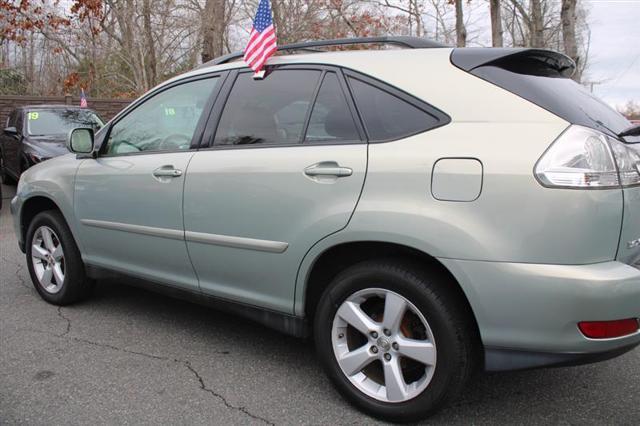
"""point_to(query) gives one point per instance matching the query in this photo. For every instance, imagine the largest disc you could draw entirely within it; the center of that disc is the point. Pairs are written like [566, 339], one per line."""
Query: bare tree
[461, 30]
[568, 19]
[496, 23]
[215, 21]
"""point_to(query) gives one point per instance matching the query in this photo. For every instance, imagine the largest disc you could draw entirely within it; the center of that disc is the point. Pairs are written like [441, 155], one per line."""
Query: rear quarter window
[389, 115]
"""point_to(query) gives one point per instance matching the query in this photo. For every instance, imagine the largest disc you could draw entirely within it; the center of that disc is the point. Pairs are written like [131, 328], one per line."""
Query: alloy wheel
[384, 345]
[47, 258]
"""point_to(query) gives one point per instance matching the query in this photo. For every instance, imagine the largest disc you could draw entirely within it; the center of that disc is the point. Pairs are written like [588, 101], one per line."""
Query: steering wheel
[169, 142]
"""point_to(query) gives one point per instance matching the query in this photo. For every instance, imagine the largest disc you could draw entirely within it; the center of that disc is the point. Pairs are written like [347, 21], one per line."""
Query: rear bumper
[528, 313]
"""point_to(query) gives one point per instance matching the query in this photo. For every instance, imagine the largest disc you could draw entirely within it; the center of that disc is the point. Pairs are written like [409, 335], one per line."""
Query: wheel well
[31, 208]
[340, 257]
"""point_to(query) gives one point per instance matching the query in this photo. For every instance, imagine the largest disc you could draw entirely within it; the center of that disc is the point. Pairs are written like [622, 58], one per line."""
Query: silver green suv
[422, 212]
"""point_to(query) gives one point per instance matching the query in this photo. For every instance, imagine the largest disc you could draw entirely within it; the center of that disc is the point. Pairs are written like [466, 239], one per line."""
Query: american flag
[262, 40]
[83, 99]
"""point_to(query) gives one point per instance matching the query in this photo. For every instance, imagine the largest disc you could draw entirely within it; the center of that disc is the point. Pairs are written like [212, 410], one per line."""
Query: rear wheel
[394, 340]
[54, 261]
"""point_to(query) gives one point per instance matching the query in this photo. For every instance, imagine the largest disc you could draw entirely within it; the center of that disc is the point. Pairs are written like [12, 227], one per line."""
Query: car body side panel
[55, 180]
[251, 214]
[131, 221]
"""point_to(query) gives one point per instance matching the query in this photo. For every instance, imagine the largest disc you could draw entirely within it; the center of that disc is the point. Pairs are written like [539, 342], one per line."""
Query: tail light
[588, 159]
[608, 329]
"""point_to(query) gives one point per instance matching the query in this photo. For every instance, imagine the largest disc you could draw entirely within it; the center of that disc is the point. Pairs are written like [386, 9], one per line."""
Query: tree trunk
[496, 23]
[150, 54]
[568, 19]
[536, 28]
[461, 31]
[213, 29]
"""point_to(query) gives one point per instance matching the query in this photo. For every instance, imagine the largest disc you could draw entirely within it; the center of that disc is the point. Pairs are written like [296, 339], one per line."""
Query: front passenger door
[129, 199]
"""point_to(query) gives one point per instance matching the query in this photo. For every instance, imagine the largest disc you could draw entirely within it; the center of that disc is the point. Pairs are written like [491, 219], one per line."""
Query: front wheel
[54, 261]
[394, 340]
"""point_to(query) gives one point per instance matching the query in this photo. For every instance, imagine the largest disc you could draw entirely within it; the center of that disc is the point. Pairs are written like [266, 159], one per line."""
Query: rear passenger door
[285, 169]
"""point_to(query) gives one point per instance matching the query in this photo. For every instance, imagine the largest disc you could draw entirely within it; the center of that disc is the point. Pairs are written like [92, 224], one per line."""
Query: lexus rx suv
[423, 213]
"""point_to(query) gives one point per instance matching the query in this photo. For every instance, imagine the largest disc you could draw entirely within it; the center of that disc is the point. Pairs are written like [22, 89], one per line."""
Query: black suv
[36, 133]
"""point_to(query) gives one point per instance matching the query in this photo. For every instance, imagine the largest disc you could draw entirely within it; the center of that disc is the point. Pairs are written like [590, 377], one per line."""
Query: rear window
[539, 77]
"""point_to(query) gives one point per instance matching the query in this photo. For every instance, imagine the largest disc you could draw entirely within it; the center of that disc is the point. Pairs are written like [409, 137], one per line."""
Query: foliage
[11, 82]
[124, 47]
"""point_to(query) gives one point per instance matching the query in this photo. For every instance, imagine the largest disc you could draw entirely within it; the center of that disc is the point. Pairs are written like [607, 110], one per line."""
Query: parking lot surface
[129, 356]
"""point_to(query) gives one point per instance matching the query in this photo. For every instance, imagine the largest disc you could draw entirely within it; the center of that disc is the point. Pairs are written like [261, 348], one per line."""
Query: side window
[269, 111]
[386, 116]
[331, 119]
[165, 122]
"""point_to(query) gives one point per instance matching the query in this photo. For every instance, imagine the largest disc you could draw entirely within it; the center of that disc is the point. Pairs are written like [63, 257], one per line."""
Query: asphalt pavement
[129, 356]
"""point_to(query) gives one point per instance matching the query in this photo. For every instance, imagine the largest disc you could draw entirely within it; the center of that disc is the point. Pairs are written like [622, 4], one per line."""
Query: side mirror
[80, 141]
[12, 131]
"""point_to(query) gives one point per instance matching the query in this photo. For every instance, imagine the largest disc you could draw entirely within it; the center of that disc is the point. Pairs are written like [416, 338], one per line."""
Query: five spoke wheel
[384, 345]
[47, 257]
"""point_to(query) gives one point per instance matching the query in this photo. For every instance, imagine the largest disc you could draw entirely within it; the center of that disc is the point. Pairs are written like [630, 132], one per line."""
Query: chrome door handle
[167, 171]
[328, 169]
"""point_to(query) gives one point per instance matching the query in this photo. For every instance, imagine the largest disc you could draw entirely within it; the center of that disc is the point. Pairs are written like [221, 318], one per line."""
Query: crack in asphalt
[187, 364]
[17, 272]
[61, 315]
[204, 387]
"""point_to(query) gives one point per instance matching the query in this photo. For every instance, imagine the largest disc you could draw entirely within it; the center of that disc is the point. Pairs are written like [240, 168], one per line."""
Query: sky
[614, 54]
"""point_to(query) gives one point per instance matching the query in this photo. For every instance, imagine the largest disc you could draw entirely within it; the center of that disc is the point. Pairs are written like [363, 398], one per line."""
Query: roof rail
[403, 41]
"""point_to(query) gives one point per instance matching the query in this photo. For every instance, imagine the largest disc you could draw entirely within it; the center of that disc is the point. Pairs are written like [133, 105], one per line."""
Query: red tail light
[609, 329]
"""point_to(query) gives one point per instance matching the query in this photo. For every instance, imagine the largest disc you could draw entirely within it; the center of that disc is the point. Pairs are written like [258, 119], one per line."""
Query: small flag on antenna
[83, 99]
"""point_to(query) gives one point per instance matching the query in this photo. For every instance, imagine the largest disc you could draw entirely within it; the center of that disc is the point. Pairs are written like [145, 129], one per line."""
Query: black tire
[76, 285]
[450, 324]
[4, 175]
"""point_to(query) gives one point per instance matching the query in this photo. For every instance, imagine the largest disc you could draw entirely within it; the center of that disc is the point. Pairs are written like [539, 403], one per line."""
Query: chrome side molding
[237, 242]
[173, 234]
[196, 237]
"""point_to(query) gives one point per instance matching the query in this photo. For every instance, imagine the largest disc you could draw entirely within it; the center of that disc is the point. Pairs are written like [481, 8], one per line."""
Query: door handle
[167, 171]
[328, 168]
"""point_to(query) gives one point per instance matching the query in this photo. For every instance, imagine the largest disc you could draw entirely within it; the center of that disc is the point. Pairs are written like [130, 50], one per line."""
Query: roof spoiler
[540, 62]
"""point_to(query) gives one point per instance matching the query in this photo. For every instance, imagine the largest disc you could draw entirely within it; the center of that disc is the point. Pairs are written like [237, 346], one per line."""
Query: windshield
[60, 121]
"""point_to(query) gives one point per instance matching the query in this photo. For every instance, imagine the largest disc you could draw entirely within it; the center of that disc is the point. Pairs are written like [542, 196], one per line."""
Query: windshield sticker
[33, 116]
[169, 111]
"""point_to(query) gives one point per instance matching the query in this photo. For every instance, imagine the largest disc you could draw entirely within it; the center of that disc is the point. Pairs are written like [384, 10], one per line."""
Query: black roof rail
[403, 41]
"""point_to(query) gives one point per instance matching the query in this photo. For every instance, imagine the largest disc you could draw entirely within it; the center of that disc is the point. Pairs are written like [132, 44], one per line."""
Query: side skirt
[284, 323]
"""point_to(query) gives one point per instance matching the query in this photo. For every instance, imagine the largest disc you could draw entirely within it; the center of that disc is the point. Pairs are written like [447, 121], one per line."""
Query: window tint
[165, 122]
[386, 116]
[331, 118]
[269, 111]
